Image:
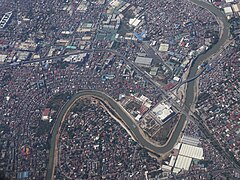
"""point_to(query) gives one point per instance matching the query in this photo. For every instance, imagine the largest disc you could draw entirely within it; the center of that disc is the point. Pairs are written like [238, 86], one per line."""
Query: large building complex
[5, 19]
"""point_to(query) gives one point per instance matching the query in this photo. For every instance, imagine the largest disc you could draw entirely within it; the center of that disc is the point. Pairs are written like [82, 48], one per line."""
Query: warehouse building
[191, 151]
[5, 19]
[182, 162]
[144, 61]
[236, 8]
[190, 140]
[164, 47]
[183, 154]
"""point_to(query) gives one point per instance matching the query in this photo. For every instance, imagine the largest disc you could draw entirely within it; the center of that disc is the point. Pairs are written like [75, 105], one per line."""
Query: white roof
[191, 151]
[114, 3]
[176, 170]
[138, 117]
[177, 146]
[165, 113]
[148, 104]
[176, 78]
[162, 111]
[134, 22]
[172, 160]
[228, 10]
[183, 162]
[164, 47]
[2, 58]
[229, 1]
[190, 140]
[235, 8]
[144, 60]
[5, 19]
[143, 98]
[166, 167]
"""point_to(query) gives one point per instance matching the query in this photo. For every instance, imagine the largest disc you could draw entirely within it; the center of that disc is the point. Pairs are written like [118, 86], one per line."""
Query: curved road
[124, 116]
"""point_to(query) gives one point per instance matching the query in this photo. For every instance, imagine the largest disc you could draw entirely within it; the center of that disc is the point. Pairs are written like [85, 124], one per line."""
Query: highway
[59, 57]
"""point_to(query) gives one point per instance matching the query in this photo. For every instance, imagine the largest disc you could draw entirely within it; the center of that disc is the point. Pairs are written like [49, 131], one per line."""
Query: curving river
[190, 92]
[216, 48]
[124, 116]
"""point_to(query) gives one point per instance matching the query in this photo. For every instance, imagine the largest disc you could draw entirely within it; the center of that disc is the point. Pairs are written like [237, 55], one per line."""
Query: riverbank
[189, 100]
[224, 37]
[125, 121]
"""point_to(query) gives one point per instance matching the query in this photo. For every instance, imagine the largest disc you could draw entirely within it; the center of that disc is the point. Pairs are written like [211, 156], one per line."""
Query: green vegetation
[205, 162]
[124, 28]
[43, 127]
[133, 105]
[4, 128]
[56, 101]
[80, 105]
[61, 65]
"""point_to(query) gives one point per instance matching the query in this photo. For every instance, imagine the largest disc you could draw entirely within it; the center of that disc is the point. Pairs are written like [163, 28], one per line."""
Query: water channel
[188, 101]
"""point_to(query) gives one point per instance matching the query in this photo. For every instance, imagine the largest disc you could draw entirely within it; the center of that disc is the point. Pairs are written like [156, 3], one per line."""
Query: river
[188, 101]
[217, 47]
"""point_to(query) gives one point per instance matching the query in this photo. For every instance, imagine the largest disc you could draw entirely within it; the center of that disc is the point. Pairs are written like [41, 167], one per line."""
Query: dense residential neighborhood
[162, 85]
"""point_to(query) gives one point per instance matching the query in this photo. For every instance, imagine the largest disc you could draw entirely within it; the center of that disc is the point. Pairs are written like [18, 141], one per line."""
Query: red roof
[46, 112]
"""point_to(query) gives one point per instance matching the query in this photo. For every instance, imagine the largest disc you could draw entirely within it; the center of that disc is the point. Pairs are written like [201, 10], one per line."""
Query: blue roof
[22, 175]
[139, 36]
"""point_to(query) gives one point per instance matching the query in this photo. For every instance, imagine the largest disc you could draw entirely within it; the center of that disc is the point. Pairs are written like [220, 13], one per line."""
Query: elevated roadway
[135, 131]
[188, 80]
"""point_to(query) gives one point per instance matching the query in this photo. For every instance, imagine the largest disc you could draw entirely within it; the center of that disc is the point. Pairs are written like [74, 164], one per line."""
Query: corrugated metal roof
[143, 60]
[183, 162]
[191, 151]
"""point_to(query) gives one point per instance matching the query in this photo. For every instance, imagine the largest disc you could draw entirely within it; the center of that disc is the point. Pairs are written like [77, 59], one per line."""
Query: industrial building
[184, 154]
[191, 151]
[154, 71]
[190, 140]
[162, 112]
[236, 8]
[228, 11]
[144, 61]
[163, 47]
[134, 22]
[5, 19]
[182, 162]
[3, 57]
